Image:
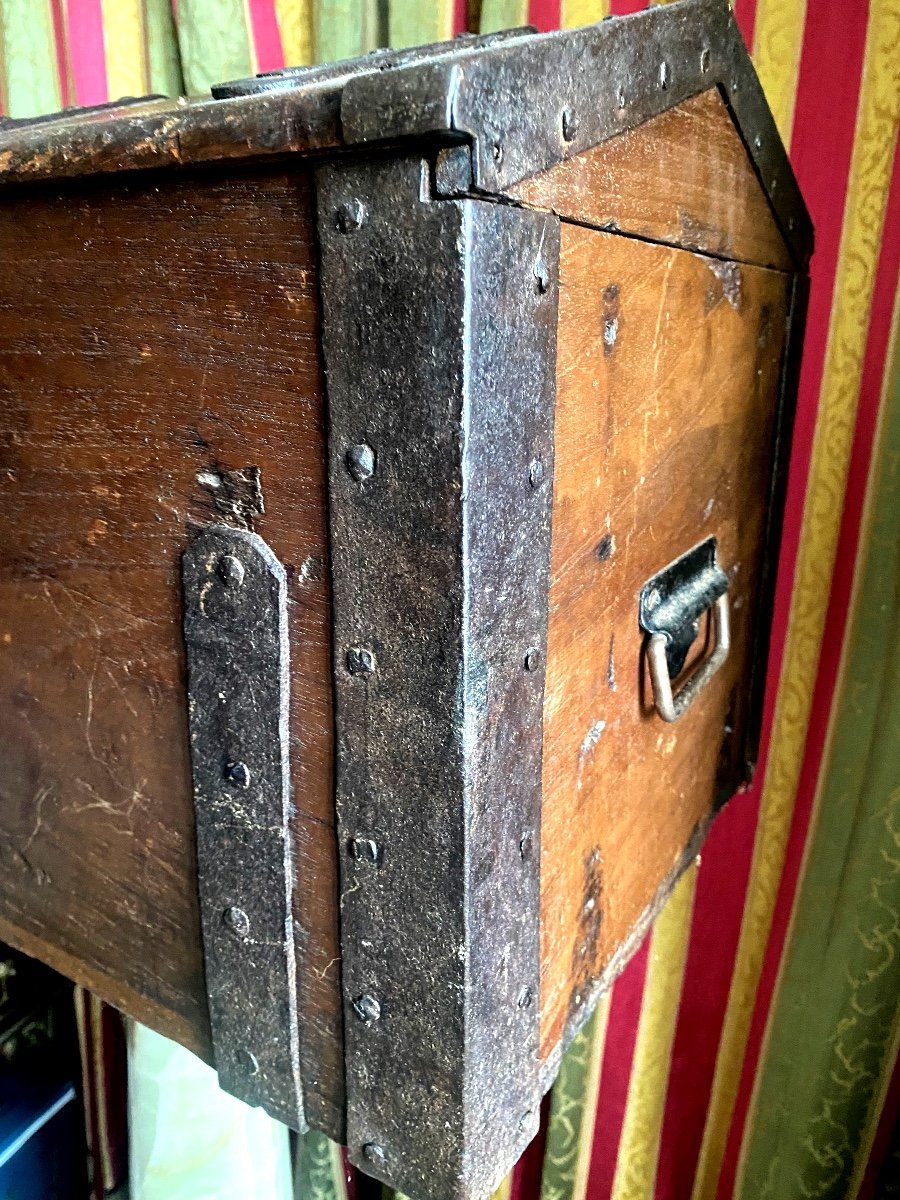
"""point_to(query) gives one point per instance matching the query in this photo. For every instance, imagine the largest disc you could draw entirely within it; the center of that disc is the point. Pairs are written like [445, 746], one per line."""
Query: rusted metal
[440, 355]
[235, 632]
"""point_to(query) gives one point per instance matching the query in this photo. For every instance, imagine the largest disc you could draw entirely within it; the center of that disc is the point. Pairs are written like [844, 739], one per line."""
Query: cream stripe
[638, 1155]
[846, 650]
[777, 48]
[582, 12]
[251, 40]
[876, 135]
[296, 29]
[126, 51]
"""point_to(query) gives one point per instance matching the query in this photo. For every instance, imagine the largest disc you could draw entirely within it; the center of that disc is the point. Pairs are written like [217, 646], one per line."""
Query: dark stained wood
[683, 178]
[157, 343]
[667, 376]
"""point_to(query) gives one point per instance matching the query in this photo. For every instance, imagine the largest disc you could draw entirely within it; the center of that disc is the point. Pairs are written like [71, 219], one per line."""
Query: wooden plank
[170, 345]
[667, 376]
[683, 178]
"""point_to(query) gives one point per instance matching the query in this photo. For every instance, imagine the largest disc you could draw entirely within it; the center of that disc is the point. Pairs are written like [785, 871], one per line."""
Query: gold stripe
[504, 1190]
[777, 47]
[582, 12]
[296, 28]
[638, 1155]
[876, 135]
[125, 48]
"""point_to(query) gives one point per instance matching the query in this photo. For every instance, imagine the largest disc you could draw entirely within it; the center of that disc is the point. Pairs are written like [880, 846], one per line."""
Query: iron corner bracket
[530, 101]
[235, 630]
[439, 340]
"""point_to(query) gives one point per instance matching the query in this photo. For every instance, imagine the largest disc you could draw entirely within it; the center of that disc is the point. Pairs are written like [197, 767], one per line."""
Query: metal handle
[670, 707]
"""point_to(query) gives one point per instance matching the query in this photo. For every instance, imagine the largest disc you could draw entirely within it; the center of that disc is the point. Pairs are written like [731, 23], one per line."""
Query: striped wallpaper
[750, 1048]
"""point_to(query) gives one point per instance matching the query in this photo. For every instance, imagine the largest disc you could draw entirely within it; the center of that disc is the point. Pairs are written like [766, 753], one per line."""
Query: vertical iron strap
[439, 336]
[235, 629]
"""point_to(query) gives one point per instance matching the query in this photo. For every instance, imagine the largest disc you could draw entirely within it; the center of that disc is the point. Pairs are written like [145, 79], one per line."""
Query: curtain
[750, 1048]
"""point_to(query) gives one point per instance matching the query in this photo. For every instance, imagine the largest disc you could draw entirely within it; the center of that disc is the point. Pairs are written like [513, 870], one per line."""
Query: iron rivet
[532, 658]
[792, 224]
[526, 843]
[757, 142]
[230, 570]
[360, 661]
[542, 276]
[374, 1153]
[497, 151]
[663, 75]
[360, 460]
[525, 998]
[238, 772]
[620, 97]
[734, 86]
[249, 1062]
[367, 1008]
[364, 849]
[704, 59]
[350, 215]
[536, 473]
[237, 921]
[569, 124]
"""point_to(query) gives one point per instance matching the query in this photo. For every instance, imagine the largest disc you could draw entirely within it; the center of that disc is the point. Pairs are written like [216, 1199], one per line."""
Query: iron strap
[439, 322]
[235, 629]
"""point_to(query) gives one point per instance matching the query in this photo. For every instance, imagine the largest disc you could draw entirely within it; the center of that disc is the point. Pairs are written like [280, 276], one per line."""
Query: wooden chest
[381, 447]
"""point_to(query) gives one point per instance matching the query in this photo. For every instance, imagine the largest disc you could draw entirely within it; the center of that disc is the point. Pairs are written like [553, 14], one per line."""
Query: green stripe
[503, 14]
[570, 1120]
[319, 1172]
[412, 24]
[347, 28]
[162, 48]
[214, 42]
[831, 1030]
[29, 57]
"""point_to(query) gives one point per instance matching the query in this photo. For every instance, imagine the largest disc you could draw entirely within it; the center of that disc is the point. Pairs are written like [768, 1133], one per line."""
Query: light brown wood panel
[154, 341]
[668, 374]
[683, 178]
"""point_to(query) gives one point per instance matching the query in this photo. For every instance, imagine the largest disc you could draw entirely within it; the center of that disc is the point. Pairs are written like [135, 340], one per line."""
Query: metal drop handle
[670, 707]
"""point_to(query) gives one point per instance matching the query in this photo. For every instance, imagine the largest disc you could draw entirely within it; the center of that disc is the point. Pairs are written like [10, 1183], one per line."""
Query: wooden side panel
[668, 375]
[683, 178]
[158, 349]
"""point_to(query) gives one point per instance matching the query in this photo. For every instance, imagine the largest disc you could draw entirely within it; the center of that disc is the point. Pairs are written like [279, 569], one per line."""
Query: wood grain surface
[667, 377]
[159, 370]
[683, 178]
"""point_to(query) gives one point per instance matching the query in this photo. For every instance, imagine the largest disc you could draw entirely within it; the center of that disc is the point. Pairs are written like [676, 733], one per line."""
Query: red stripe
[621, 8]
[618, 1054]
[545, 14]
[745, 15]
[266, 35]
[715, 928]
[526, 1176]
[460, 17]
[87, 53]
[59, 39]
